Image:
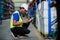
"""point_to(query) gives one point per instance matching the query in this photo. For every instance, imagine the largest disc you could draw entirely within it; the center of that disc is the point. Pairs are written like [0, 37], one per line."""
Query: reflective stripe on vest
[11, 21]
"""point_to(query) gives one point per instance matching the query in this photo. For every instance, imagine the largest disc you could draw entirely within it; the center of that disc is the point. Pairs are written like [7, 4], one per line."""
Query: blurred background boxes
[44, 19]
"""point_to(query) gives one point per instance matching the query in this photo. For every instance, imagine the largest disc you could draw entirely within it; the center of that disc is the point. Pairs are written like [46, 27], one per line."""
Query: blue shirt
[16, 16]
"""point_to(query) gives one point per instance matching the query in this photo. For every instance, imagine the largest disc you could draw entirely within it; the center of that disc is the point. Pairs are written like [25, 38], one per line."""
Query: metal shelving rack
[8, 8]
[1, 11]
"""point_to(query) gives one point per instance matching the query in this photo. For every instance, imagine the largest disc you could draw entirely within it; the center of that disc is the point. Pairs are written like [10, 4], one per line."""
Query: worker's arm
[16, 23]
[16, 20]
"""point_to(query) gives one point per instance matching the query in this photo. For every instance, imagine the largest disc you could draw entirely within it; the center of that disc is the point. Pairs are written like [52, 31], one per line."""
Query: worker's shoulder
[15, 12]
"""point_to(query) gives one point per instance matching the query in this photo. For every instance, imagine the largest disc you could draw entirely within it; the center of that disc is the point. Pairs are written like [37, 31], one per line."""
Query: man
[19, 26]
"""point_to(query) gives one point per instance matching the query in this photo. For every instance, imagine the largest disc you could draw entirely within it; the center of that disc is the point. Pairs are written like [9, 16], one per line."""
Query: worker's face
[23, 11]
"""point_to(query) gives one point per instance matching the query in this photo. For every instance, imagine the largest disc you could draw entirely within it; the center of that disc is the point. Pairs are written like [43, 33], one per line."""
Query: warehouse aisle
[5, 33]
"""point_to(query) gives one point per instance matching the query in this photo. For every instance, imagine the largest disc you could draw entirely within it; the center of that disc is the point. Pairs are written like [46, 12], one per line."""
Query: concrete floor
[5, 33]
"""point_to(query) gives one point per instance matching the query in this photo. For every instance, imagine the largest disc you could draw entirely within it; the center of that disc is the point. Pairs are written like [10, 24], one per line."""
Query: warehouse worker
[19, 26]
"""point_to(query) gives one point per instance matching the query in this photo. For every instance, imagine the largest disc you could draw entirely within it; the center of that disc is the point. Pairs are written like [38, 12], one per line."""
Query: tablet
[31, 19]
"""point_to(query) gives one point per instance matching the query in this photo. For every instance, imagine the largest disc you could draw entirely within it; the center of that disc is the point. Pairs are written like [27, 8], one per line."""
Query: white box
[45, 4]
[45, 26]
[37, 21]
[45, 14]
[53, 13]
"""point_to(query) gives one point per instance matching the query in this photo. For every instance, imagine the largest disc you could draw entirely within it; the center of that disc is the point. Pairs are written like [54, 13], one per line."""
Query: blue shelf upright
[49, 18]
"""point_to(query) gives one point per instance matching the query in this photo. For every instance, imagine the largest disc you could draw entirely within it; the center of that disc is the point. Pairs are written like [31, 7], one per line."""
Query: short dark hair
[21, 8]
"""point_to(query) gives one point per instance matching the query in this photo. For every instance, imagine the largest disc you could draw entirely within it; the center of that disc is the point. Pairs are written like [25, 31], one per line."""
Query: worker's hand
[31, 19]
[26, 21]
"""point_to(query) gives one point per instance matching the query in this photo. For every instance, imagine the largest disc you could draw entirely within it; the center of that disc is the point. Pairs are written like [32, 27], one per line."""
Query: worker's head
[24, 8]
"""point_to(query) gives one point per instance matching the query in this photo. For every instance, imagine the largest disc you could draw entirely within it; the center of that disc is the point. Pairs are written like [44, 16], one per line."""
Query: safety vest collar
[20, 13]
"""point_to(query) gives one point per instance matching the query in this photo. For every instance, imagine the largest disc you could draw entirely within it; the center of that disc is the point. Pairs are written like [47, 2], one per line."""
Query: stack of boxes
[8, 8]
[42, 17]
[1, 10]
[46, 19]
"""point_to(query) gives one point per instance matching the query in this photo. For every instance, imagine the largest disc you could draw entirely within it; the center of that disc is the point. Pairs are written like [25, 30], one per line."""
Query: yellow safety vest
[11, 21]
